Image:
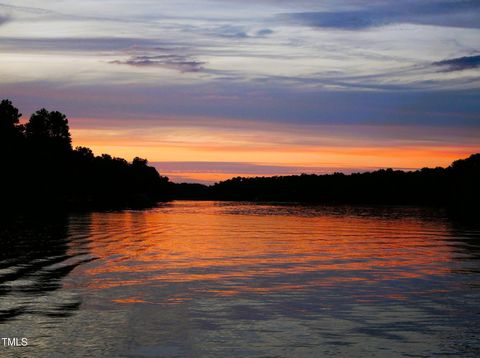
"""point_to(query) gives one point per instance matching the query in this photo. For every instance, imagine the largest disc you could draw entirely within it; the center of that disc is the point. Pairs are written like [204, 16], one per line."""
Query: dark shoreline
[41, 171]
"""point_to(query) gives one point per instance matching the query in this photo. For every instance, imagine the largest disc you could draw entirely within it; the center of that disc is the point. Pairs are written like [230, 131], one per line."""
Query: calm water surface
[210, 279]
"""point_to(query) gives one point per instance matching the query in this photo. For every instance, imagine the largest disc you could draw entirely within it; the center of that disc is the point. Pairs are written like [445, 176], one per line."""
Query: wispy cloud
[210, 172]
[459, 63]
[246, 168]
[242, 43]
[176, 62]
[241, 32]
[264, 32]
[71, 44]
[4, 19]
[449, 13]
[237, 32]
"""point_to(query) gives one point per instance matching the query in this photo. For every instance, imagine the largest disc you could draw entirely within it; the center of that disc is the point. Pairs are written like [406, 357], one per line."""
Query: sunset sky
[212, 89]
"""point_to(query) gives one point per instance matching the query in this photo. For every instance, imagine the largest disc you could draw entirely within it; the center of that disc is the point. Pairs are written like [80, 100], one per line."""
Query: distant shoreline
[455, 187]
[41, 169]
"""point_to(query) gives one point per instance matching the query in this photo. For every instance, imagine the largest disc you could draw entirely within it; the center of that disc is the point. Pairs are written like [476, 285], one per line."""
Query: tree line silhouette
[456, 187]
[40, 168]
[459, 183]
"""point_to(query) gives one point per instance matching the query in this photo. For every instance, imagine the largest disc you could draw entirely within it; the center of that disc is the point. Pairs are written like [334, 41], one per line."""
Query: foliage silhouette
[40, 167]
[456, 187]
[9, 121]
[40, 163]
[49, 129]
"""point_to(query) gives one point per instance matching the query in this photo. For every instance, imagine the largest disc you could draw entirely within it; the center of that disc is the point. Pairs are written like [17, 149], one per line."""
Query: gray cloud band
[176, 62]
[459, 63]
[446, 13]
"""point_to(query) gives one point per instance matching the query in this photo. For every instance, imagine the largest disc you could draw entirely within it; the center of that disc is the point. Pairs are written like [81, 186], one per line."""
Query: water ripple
[223, 279]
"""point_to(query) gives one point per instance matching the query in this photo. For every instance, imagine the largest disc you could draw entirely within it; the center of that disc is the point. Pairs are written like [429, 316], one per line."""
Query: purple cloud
[264, 32]
[4, 19]
[176, 170]
[449, 13]
[459, 63]
[180, 63]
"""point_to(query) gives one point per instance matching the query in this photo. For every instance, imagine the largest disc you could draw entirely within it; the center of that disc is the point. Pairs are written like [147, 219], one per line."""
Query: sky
[211, 89]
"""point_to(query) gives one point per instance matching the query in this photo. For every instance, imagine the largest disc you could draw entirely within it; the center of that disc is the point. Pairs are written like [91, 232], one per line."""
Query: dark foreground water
[208, 279]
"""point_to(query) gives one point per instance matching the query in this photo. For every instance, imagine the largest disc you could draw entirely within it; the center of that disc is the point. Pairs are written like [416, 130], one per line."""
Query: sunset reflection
[222, 250]
[194, 279]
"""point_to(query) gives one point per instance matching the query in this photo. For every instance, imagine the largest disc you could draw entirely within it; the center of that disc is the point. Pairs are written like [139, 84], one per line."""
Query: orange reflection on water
[226, 249]
[128, 300]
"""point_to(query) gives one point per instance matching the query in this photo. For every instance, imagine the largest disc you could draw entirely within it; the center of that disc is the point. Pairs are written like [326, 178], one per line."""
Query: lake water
[213, 279]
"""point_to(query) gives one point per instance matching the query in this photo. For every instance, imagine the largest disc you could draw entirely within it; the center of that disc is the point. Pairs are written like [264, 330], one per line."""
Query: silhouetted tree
[139, 162]
[464, 176]
[49, 129]
[10, 128]
[39, 160]
[12, 148]
[84, 153]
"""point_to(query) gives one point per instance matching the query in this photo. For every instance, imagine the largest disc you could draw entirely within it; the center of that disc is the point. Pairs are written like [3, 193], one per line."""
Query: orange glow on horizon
[282, 147]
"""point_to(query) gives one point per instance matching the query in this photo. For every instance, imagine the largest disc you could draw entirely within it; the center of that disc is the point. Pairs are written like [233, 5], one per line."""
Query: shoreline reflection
[222, 279]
